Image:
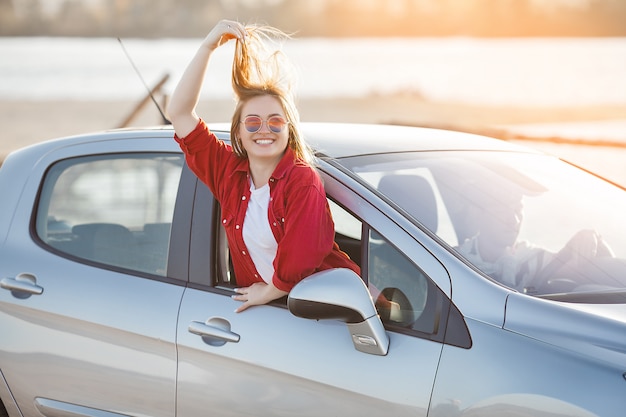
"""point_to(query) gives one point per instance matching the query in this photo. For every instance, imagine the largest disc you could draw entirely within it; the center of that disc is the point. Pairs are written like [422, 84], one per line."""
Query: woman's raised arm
[182, 106]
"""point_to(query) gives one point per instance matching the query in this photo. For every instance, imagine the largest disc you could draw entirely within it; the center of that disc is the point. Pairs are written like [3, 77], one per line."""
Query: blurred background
[328, 18]
[546, 73]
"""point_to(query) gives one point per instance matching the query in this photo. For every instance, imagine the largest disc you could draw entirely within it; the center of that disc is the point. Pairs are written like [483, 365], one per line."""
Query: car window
[405, 298]
[517, 217]
[112, 209]
[348, 231]
[416, 192]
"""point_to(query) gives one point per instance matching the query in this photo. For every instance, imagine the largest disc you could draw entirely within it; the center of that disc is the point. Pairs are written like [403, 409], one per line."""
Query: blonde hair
[258, 70]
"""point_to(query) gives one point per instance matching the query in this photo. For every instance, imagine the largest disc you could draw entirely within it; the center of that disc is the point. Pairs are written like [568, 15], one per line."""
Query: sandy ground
[593, 137]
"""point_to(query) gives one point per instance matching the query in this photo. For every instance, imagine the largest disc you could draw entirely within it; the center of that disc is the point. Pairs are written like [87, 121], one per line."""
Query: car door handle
[22, 284]
[215, 331]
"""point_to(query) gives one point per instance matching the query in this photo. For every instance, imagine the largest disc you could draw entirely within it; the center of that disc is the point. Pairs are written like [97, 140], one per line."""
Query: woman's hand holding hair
[224, 31]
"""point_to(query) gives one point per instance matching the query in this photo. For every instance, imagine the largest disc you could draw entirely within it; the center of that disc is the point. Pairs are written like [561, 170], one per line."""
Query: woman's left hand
[258, 293]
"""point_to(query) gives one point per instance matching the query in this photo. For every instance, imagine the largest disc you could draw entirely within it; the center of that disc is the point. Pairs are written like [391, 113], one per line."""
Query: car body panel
[86, 338]
[366, 139]
[575, 326]
[286, 365]
[571, 385]
[117, 345]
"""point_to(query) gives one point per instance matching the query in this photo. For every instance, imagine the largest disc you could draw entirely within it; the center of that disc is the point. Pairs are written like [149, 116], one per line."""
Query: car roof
[341, 140]
[333, 140]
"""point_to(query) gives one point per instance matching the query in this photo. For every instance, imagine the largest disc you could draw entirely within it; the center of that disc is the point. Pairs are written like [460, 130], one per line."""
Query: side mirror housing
[340, 294]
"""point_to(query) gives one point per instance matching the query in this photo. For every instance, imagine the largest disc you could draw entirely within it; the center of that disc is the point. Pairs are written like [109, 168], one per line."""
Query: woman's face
[265, 143]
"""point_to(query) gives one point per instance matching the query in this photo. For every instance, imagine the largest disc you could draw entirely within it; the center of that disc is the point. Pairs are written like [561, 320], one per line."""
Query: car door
[266, 361]
[89, 302]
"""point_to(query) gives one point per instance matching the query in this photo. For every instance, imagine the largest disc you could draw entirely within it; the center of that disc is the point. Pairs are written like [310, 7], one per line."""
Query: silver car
[493, 284]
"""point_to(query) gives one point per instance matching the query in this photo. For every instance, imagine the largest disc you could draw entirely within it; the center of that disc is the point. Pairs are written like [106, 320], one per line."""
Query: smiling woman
[274, 207]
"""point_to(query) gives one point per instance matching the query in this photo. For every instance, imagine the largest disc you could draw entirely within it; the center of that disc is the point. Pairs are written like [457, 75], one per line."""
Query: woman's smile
[264, 141]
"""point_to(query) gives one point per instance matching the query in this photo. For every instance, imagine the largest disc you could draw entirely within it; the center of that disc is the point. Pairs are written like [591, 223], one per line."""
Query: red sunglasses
[254, 123]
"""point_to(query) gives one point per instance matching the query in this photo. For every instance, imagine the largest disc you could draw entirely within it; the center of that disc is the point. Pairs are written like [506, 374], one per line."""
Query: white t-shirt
[257, 233]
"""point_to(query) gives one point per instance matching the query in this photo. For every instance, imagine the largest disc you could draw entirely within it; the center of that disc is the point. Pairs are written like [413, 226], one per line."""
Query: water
[534, 72]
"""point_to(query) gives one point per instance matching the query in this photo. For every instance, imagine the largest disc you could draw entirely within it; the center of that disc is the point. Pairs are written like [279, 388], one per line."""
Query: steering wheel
[572, 266]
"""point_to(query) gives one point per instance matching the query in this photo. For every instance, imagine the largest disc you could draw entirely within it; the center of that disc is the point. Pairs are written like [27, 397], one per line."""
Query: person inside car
[496, 249]
[274, 208]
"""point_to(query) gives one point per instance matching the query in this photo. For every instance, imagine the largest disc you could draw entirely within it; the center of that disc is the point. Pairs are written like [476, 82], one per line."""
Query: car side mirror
[340, 294]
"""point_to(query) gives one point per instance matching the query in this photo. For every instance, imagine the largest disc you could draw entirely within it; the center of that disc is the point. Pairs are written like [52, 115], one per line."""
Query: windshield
[531, 222]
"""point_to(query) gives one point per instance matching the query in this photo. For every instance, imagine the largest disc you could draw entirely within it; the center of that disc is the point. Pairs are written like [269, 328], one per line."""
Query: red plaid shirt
[298, 214]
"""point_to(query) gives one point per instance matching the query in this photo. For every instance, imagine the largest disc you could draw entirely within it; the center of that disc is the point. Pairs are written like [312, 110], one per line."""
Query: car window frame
[380, 216]
[176, 272]
[438, 304]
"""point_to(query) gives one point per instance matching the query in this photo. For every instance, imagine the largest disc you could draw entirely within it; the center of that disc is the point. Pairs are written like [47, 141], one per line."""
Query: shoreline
[567, 132]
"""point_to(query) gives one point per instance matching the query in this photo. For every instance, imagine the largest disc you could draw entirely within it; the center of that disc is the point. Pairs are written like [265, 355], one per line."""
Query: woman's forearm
[182, 106]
